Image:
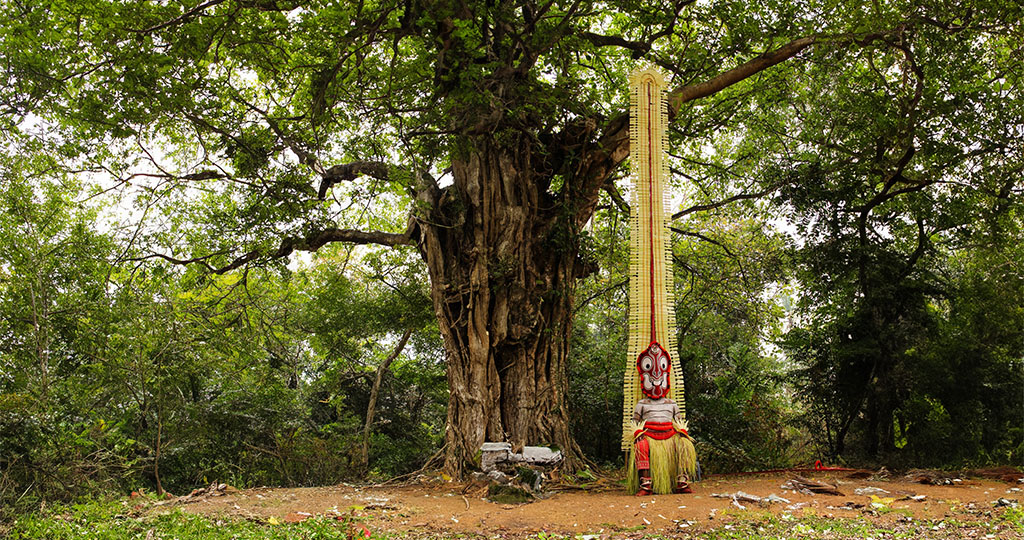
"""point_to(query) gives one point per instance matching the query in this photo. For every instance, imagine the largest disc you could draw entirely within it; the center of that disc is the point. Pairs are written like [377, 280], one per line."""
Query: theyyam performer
[660, 454]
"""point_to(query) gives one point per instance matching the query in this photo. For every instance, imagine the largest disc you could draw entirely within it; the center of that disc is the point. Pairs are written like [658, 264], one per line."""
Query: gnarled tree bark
[503, 264]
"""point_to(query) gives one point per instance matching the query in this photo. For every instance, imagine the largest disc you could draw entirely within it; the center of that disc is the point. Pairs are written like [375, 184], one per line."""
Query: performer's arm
[638, 413]
[678, 420]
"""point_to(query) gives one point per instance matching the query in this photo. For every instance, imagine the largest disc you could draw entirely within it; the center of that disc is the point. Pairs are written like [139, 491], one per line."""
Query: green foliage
[738, 410]
[888, 360]
[600, 331]
[117, 377]
[889, 152]
[112, 520]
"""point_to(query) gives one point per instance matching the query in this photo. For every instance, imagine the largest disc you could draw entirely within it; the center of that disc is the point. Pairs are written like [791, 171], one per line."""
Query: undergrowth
[116, 520]
[122, 520]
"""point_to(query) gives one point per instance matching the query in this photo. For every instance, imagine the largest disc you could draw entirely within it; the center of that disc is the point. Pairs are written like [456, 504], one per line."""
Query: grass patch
[115, 520]
[1014, 517]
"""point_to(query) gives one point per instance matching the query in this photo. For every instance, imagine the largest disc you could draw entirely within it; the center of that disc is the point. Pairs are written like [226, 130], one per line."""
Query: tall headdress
[649, 367]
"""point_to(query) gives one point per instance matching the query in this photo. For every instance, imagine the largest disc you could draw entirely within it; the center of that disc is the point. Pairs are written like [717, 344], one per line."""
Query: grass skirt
[669, 458]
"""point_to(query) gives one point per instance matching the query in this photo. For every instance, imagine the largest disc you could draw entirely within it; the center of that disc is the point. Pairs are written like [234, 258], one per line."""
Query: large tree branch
[922, 244]
[318, 240]
[350, 171]
[639, 48]
[613, 145]
[724, 202]
[696, 91]
[375, 392]
[704, 238]
[613, 191]
[642, 47]
[184, 17]
[289, 245]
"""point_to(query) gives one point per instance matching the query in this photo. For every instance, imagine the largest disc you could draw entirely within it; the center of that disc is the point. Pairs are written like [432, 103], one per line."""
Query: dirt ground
[604, 508]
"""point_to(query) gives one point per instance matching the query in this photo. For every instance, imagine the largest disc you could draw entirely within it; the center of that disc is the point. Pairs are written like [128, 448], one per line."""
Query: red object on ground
[818, 467]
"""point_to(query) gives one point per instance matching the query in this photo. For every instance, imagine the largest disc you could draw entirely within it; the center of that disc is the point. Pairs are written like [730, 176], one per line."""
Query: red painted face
[654, 366]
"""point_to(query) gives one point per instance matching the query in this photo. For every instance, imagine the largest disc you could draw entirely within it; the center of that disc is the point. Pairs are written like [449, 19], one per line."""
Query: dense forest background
[848, 236]
[121, 373]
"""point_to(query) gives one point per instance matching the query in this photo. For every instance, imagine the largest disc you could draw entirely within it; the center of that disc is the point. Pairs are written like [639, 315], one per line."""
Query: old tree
[495, 127]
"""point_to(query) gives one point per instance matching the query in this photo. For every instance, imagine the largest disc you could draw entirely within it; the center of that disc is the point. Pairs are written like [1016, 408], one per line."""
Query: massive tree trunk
[503, 257]
[502, 252]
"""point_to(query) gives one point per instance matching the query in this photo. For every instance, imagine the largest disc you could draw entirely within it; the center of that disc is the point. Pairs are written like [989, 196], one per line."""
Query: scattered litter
[796, 506]
[810, 487]
[738, 505]
[681, 507]
[881, 502]
[738, 496]
[870, 490]
[202, 494]
[917, 498]
[382, 506]
[1013, 490]
[849, 505]
[1012, 503]
[297, 517]
[647, 521]
[746, 497]
[935, 478]
[685, 524]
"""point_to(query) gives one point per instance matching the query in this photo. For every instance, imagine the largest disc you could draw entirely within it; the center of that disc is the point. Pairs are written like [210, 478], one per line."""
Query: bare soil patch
[443, 508]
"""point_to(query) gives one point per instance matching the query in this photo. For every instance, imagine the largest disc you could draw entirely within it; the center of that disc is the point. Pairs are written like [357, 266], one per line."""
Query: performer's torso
[655, 410]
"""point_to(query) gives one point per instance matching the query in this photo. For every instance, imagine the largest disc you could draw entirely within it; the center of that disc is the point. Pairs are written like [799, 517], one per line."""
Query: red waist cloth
[659, 431]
